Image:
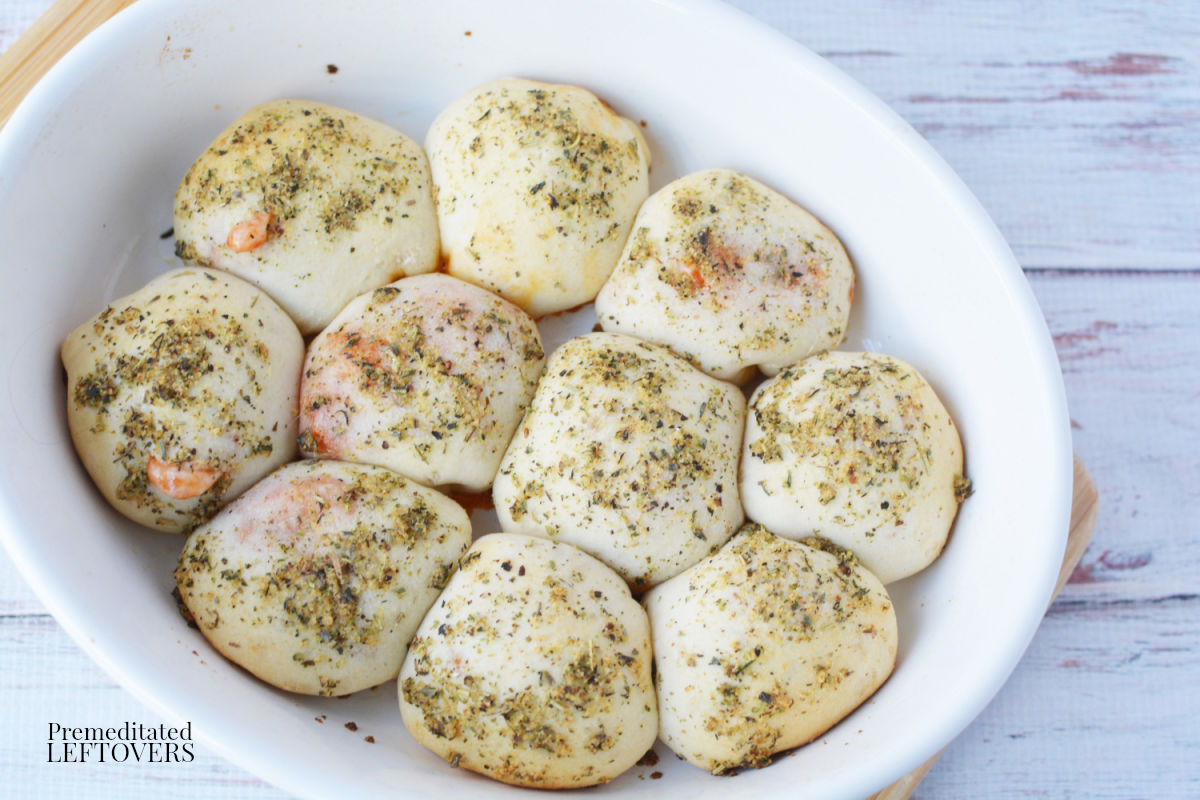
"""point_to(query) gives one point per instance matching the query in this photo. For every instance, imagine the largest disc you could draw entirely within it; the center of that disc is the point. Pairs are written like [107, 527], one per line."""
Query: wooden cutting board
[66, 22]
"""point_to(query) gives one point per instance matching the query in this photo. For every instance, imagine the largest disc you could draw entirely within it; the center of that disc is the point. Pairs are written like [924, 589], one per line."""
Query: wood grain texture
[60, 28]
[1103, 704]
[1077, 124]
[1129, 346]
[1085, 508]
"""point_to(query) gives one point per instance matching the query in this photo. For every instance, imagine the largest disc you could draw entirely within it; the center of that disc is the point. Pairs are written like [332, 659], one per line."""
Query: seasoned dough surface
[316, 578]
[428, 376]
[537, 185]
[533, 668]
[629, 453]
[314, 204]
[765, 646]
[183, 394]
[857, 448]
[731, 275]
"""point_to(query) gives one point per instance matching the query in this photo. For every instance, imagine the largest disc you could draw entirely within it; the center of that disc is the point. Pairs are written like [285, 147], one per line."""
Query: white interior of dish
[88, 170]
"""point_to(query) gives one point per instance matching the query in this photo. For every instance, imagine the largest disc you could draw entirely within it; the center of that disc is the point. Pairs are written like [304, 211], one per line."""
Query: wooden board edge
[49, 38]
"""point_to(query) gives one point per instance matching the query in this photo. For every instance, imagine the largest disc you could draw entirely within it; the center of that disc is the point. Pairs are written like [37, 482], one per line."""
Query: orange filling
[181, 481]
[250, 233]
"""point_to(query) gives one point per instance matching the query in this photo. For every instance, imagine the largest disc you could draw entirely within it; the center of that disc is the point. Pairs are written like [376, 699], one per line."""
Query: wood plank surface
[1103, 704]
[1078, 126]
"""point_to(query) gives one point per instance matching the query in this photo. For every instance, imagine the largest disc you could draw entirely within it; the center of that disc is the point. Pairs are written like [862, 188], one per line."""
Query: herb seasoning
[765, 645]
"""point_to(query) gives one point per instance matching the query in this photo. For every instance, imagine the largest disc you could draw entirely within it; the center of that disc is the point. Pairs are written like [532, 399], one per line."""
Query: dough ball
[731, 275]
[532, 668]
[537, 185]
[630, 454]
[316, 578]
[765, 646]
[312, 203]
[182, 395]
[428, 376]
[857, 448]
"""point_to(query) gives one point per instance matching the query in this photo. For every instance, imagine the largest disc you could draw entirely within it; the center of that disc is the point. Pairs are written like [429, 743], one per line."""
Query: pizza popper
[856, 448]
[537, 185]
[764, 646]
[312, 203]
[183, 394]
[533, 668]
[629, 453]
[428, 376]
[316, 578]
[731, 275]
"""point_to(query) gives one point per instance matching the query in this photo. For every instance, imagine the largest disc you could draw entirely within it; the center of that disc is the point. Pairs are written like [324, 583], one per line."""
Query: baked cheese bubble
[731, 275]
[312, 203]
[183, 394]
[315, 579]
[629, 453]
[428, 376]
[765, 646]
[857, 448]
[533, 668]
[537, 186]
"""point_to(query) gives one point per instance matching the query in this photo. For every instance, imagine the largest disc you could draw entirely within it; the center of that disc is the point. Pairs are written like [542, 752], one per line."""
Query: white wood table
[1078, 126]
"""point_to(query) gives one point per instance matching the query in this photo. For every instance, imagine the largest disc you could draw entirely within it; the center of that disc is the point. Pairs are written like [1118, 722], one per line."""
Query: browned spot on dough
[648, 760]
[473, 501]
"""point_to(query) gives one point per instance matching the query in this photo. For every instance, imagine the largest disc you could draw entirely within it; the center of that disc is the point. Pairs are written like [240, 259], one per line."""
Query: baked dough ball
[765, 646]
[428, 376]
[532, 668]
[537, 185]
[182, 395]
[630, 454]
[857, 448]
[316, 578]
[312, 203]
[729, 274]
